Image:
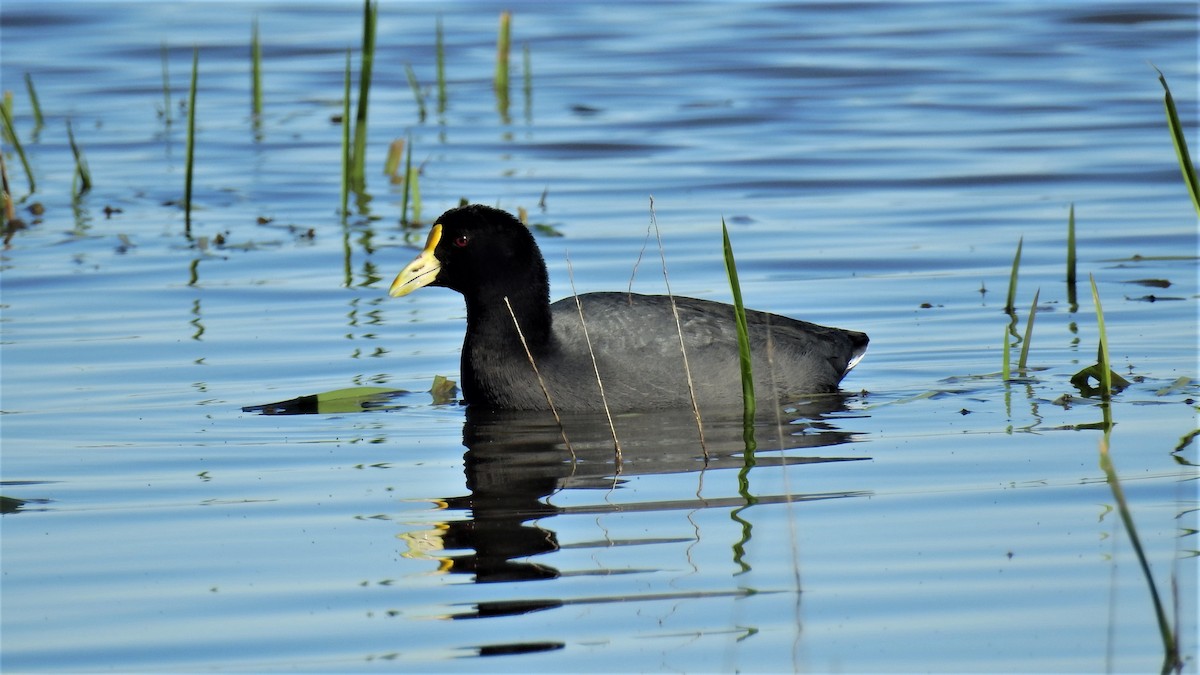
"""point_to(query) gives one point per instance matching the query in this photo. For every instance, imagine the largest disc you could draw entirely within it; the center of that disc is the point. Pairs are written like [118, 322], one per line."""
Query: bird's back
[635, 340]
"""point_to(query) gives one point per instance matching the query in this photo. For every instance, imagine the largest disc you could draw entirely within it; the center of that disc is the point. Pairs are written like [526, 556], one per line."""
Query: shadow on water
[517, 463]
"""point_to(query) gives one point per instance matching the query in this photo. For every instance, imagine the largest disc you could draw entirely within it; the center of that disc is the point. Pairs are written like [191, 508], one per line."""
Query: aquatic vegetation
[82, 182]
[191, 143]
[1072, 298]
[1022, 360]
[38, 120]
[503, 43]
[256, 92]
[743, 333]
[1011, 303]
[346, 158]
[410, 191]
[358, 175]
[418, 95]
[6, 112]
[441, 67]
[1181, 150]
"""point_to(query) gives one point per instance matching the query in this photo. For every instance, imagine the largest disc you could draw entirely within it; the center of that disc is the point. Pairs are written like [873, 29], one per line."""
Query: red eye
[461, 241]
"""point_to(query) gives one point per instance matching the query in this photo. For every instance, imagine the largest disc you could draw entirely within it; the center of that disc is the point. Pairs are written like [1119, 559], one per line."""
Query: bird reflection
[517, 461]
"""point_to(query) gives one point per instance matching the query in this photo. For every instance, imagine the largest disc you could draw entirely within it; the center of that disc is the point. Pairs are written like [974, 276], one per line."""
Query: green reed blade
[1004, 367]
[416, 90]
[256, 72]
[1105, 374]
[38, 121]
[1028, 332]
[82, 174]
[413, 181]
[166, 83]
[407, 182]
[16, 142]
[1181, 149]
[743, 333]
[191, 143]
[503, 43]
[7, 103]
[346, 139]
[391, 166]
[1010, 304]
[358, 172]
[441, 69]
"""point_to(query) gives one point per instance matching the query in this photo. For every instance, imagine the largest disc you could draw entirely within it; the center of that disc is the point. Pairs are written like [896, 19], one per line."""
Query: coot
[489, 256]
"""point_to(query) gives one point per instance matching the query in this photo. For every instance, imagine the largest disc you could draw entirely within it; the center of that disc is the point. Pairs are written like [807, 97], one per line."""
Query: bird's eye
[461, 241]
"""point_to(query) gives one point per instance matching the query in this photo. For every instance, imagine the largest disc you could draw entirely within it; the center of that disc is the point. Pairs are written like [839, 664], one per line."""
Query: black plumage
[489, 257]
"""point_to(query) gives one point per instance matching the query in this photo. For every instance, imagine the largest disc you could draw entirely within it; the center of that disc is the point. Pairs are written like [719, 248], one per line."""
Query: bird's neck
[494, 317]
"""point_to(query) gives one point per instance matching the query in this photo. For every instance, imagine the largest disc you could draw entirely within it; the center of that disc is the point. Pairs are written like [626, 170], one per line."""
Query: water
[876, 163]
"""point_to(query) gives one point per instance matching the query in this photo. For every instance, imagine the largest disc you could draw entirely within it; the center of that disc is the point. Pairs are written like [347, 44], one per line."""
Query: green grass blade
[1028, 332]
[1004, 367]
[407, 183]
[7, 103]
[166, 83]
[416, 90]
[12, 136]
[38, 121]
[743, 334]
[413, 183]
[1011, 303]
[503, 44]
[256, 93]
[346, 159]
[1105, 374]
[358, 173]
[441, 69]
[391, 167]
[190, 155]
[83, 178]
[1181, 149]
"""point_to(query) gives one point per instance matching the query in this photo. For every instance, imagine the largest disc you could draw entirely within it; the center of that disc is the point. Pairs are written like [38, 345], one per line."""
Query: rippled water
[877, 164]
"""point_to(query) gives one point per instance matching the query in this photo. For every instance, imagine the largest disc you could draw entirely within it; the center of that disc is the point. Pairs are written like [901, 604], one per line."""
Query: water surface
[877, 165]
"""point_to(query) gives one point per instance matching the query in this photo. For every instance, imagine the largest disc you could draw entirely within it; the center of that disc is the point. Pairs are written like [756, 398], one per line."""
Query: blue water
[877, 164]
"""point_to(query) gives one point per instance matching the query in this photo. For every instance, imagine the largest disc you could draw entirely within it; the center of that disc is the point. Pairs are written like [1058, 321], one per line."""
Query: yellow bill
[422, 270]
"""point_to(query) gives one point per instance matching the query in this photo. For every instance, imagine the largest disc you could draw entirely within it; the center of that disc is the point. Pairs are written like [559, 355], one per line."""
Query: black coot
[489, 256]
